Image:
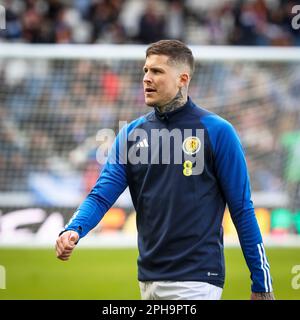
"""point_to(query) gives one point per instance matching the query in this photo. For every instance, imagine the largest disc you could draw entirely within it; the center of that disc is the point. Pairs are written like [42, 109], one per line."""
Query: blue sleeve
[109, 186]
[232, 174]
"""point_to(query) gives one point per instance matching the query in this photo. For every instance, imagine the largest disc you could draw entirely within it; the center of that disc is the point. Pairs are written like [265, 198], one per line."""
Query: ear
[184, 79]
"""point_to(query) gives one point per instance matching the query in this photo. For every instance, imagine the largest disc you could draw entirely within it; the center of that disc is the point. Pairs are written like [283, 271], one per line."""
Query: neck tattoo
[174, 104]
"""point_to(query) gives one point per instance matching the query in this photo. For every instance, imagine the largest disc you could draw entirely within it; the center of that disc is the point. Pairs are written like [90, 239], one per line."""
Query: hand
[65, 244]
[262, 296]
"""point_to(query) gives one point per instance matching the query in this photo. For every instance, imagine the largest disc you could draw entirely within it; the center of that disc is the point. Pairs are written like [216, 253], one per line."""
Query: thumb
[73, 237]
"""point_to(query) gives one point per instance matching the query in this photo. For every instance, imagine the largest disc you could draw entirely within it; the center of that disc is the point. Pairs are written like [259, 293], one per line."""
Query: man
[179, 202]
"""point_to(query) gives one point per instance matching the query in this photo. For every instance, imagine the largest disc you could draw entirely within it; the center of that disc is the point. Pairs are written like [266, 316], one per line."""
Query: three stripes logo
[265, 268]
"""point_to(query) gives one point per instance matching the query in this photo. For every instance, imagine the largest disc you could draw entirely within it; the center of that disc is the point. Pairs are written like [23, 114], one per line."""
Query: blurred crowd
[228, 22]
[51, 113]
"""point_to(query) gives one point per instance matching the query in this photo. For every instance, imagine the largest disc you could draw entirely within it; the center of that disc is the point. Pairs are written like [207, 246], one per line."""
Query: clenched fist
[65, 244]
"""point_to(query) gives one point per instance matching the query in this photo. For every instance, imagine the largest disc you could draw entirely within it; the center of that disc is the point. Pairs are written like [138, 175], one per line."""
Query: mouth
[149, 90]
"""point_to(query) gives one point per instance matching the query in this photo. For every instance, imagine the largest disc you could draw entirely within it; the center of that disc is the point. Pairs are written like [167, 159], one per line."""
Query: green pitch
[106, 274]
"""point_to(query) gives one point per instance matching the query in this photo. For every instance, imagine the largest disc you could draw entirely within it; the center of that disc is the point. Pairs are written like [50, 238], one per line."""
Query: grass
[111, 274]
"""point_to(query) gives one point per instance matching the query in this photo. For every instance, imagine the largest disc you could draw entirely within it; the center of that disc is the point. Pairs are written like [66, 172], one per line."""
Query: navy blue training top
[180, 203]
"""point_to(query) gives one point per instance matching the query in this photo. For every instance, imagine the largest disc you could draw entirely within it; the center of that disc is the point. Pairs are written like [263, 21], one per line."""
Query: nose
[146, 78]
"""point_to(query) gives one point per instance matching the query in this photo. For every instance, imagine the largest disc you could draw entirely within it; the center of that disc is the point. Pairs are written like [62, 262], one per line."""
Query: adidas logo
[142, 144]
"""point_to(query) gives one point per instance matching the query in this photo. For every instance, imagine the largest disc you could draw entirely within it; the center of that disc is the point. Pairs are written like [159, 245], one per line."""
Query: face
[161, 80]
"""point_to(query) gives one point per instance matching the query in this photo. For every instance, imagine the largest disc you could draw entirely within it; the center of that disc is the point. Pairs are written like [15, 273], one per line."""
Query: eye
[156, 71]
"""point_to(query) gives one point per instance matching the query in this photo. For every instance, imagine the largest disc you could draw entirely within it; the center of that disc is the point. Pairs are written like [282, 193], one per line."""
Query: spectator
[151, 25]
[235, 22]
[175, 20]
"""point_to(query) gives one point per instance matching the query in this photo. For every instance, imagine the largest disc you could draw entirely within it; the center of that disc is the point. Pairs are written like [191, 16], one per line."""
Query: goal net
[55, 99]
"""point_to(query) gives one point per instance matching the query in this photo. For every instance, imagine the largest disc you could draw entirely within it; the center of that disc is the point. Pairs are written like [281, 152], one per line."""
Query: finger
[66, 243]
[73, 238]
[58, 247]
[65, 255]
[61, 250]
[66, 252]
[69, 239]
[63, 258]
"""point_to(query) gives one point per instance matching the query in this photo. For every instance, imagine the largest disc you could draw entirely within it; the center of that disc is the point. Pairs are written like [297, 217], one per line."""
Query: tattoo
[174, 104]
[263, 296]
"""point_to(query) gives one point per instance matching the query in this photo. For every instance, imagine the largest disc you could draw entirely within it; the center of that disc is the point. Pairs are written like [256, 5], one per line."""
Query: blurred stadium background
[71, 68]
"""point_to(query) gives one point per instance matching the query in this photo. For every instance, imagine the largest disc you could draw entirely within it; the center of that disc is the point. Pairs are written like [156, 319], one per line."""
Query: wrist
[262, 296]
